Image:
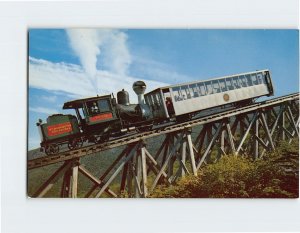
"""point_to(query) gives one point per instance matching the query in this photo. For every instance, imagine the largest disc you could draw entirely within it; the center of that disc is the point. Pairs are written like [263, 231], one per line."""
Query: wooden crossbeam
[138, 191]
[191, 154]
[292, 120]
[261, 142]
[129, 177]
[144, 172]
[265, 126]
[95, 180]
[66, 185]
[246, 133]
[209, 146]
[230, 137]
[183, 158]
[156, 165]
[163, 145]
[123, 162]
[108, 170]
[201, 139]
[256, 143]
[74, 181]
[222, 142]
[182, 169]
[288, 133]
[48, 184]
[235, 124]
[166, 162]
[124, 177]
[275, 125]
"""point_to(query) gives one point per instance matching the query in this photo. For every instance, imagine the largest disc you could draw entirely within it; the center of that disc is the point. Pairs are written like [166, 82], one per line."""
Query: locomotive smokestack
[139, 88]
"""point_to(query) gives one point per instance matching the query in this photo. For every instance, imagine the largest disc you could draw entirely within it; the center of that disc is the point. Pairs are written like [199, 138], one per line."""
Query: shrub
[276, 175]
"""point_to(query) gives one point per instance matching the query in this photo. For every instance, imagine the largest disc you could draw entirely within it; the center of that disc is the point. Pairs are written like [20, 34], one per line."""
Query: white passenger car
[188, 98]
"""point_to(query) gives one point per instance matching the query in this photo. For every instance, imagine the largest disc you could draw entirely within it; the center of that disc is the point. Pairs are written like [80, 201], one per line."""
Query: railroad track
[91, 149]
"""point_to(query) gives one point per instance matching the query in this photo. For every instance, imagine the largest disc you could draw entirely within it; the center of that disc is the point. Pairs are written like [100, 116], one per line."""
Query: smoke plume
[89, 44]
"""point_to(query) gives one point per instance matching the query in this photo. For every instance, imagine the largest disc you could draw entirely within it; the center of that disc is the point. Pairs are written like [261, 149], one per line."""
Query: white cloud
[117, 56]
[44, 110]
[58, 77]
[88, 45]
[50, 99]
[71, 79]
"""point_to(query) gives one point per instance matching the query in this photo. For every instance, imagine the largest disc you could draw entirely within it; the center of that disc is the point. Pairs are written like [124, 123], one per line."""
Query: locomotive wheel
[52, 149]
[103, 138]
[75, 143]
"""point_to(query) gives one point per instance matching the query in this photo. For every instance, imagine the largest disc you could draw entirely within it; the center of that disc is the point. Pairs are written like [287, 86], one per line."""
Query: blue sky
[70, 64]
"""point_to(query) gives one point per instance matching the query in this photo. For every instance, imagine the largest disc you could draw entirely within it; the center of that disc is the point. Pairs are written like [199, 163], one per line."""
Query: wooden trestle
[252, 130]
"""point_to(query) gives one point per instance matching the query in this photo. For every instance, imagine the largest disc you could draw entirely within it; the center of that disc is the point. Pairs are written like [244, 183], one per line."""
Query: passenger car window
[254, 79]
[194, 90]
[216, 87]
[243, 81]
[259, 78]
[249, 81]
[229, 84]
[177, 94]
[202, 89]
[208, 87]
[235, 82]
[185, 92]
[222, 85]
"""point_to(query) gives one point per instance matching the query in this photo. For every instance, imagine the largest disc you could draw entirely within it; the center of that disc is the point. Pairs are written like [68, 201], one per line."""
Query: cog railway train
[99, 118]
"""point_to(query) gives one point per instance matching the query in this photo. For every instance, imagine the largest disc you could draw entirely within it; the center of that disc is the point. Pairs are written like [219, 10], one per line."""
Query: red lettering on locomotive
[58, 129]
[101, 117]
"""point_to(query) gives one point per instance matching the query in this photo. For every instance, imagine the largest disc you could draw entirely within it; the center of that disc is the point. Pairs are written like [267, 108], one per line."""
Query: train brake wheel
[52, 149]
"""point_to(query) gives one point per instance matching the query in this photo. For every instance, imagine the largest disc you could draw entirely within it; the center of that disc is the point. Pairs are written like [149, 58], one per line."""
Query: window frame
[229, 79]
[107, 100]
[208, 83]
[218, 89]
[236, 83]
[225, 86]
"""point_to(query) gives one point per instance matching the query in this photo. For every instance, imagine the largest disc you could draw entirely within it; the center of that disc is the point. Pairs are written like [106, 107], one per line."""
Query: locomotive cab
[96, 114]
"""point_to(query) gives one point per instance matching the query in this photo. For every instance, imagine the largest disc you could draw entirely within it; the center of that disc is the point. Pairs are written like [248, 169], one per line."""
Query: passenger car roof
[205, 80]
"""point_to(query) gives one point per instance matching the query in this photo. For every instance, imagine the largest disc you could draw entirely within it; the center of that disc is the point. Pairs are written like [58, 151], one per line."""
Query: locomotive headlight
[139, 87]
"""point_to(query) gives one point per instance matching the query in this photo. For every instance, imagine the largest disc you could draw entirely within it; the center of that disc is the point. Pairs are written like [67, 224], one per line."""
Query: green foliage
[275, 176]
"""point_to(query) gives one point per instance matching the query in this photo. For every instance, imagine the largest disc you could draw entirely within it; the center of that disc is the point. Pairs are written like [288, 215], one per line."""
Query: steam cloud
[89, 44]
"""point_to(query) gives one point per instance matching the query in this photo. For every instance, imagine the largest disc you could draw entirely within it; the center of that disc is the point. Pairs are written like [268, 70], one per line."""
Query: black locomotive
[97, 119]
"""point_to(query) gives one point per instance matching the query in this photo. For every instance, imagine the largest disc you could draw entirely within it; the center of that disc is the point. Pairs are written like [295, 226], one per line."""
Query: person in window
[94, 108]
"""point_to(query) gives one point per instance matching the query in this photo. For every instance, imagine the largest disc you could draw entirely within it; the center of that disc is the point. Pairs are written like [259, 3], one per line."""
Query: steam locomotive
[99, 118]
